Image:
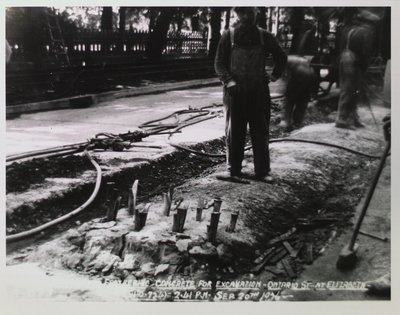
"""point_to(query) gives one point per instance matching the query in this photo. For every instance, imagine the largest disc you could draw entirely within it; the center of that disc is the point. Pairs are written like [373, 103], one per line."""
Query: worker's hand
[232, 88]
[273, 78]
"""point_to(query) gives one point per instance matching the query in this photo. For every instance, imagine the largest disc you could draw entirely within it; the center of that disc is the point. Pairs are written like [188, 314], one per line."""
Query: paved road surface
[42, 130]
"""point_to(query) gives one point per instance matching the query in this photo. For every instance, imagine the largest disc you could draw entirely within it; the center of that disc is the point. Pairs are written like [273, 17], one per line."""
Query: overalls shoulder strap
[349, 34]
[231, 35]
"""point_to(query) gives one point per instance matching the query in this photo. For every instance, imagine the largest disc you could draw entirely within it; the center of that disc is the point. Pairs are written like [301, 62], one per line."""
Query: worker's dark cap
[243, 9]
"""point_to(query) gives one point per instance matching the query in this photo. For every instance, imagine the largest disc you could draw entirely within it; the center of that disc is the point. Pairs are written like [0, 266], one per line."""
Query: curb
[87, 100]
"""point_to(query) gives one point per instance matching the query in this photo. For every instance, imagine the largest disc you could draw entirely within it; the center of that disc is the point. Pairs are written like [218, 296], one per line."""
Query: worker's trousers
[250, 106]
[297, 97]
[350, 77]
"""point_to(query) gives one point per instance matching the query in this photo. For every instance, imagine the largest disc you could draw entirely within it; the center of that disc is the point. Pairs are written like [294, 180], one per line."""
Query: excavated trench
[154, 175]
[280, 227]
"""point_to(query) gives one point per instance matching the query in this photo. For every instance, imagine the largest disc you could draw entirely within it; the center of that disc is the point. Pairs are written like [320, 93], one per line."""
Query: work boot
[297, 125]
[359, 124]
[343, 125]
[232, 177]
[380, 286]
[264, 178]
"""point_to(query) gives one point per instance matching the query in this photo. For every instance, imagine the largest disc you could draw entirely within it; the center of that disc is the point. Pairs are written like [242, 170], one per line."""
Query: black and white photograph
[202, 154]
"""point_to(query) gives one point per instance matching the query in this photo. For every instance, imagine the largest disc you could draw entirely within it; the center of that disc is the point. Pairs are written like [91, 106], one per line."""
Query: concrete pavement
[52, 128]
[119, 114]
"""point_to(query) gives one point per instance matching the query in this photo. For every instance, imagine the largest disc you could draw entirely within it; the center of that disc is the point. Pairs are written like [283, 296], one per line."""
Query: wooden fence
[87, 46]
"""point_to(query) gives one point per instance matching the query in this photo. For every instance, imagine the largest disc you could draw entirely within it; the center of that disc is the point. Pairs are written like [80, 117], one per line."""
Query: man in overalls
[356, 47]
[240, 65]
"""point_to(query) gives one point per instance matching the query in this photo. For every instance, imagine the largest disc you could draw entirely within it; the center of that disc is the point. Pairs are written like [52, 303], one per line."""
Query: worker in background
[240, 65]
[300, 83]
[356, 48]
[301, 80]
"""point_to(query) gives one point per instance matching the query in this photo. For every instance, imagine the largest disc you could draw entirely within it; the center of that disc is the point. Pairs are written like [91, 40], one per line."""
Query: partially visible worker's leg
[290, 101]
[348, 90]
[227, 110]
[259, 119]
[301, 104]
[237, 132]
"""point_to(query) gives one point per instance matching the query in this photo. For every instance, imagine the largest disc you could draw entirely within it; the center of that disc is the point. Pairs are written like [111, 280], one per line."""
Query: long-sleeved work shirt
[244, 37]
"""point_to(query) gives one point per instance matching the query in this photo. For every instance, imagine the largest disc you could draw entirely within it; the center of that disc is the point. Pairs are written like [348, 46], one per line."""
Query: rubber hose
[19, 156]
[278, 140]
[25, 234]
[325, 144]
[179, 112]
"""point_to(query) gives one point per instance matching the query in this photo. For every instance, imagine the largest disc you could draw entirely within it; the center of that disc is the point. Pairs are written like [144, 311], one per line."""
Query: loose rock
[161, 269]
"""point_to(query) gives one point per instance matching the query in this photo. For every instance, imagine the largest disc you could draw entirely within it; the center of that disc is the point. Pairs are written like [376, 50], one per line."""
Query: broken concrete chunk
[103, 260]
[168, 241]
[139, 274]
[129, 263]
[105, 225]
[183, 245]
[161, 269]
[84, 227]
[75, 238]
[109, 266]
[148, 268]
[73, 260]
[207, 251]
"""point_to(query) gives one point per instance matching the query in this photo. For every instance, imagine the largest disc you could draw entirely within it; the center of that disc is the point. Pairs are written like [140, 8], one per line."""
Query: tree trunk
[122, 19]
[106, 26]
[262, 22]
[121, 28]
[179, 23]
[227, 18]
[158, 38]
[106, 19]
[34, 24]
[153, 17]
[322, 28]
[278, 16]
[195, 23]
[215, 25]
[271, 10]
[295, 23]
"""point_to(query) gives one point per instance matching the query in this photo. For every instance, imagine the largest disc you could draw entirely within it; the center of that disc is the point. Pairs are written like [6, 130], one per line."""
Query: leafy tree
[215, 23]
[28, 27]
[107, 19]
[295, 21]
[158, 37]
[262, 22]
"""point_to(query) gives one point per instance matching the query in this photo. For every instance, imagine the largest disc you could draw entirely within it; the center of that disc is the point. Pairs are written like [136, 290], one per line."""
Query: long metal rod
[369, 196]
